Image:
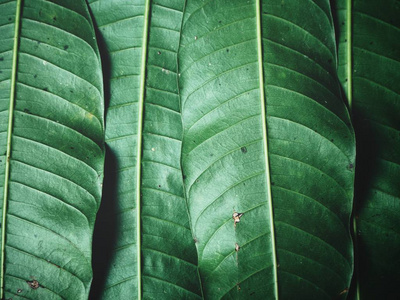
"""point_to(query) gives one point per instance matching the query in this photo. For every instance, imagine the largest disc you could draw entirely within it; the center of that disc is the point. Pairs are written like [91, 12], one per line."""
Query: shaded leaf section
[169, 261]
[375, 73]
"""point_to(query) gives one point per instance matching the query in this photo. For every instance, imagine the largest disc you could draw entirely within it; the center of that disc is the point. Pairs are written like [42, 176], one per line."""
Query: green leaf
[373, 59]
[51, 145]
[153, 255]
[236, 58]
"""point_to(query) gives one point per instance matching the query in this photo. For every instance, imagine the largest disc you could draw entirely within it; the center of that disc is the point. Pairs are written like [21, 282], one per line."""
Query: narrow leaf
[304, 140]
[51, 145]
[375, 75]
[153, 256]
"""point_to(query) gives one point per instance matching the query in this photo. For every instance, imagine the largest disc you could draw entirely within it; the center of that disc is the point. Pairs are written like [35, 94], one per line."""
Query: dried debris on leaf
[236, 217]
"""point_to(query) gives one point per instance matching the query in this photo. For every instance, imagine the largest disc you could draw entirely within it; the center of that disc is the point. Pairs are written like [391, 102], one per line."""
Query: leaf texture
[51, 145]
[143, 134]
[375, 73]
[310, 155]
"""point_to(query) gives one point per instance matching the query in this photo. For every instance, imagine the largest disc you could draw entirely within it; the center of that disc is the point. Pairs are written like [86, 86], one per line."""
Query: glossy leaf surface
[235, 58]
[143, 134]
[375, 73]
[51, 145]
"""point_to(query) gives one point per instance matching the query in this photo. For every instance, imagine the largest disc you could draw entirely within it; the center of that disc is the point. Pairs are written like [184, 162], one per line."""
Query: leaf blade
[168, 267]
[223, 146]
[56, 152]
[374, 71]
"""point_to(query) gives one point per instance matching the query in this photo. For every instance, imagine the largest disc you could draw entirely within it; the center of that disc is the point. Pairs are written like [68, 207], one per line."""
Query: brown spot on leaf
[344, 291]
[237, 247]
[236, 217]
[34, 284]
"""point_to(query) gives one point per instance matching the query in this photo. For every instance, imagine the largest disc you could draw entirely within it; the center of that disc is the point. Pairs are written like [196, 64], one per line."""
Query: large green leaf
[255, 75]
[369, 40]
[51, 145]
[153, 254]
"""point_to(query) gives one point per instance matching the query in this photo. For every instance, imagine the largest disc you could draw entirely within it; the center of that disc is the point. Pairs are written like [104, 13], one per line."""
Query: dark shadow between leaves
[106, 226]
[366, 168]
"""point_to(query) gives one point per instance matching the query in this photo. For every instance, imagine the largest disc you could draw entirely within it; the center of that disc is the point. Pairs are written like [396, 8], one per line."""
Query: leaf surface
[288, 170]
[153, 255]
[51, 145]
[373, 61]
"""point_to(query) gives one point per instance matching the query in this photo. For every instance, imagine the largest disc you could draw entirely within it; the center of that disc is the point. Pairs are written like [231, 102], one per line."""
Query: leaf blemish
[344, 291]
[244, 150]
[66, 47]
[236, 218]
[34, 284]
[237, 247]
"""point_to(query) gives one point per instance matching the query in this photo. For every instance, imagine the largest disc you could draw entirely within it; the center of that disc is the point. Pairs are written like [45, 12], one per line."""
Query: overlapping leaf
[237, 57]
[154, 255]
[369, 41]
[51, 145]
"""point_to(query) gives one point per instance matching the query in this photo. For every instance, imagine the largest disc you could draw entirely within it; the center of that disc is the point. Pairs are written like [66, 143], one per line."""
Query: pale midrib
[139, 147]
[8, 152]
[349, 64]
[265, 141]
[349, 67]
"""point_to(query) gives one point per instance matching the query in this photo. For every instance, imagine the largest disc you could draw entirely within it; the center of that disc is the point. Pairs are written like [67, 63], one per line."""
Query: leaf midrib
[349, 94]
[349, 55]
[9, 135]
[139, 145]
[264, 123]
